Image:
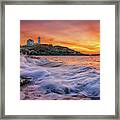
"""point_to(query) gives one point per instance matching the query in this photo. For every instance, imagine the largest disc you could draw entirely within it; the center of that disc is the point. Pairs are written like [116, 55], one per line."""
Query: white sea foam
[58, 79]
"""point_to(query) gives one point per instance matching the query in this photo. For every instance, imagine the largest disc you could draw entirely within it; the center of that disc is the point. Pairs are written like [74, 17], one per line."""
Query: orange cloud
[80, 35]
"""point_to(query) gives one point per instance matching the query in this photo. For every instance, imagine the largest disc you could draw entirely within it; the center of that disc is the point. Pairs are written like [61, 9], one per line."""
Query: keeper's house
[30, 42]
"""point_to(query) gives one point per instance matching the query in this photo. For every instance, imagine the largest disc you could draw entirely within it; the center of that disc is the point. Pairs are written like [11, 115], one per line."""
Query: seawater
[60, 77]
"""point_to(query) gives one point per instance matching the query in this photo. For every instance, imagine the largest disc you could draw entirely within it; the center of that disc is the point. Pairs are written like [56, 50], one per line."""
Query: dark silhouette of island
[50, 50]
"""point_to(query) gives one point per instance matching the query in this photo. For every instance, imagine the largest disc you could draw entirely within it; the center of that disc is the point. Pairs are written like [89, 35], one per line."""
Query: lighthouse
[39, 40]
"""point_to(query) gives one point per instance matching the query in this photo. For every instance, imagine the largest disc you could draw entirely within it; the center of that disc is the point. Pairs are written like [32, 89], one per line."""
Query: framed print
[60, 59]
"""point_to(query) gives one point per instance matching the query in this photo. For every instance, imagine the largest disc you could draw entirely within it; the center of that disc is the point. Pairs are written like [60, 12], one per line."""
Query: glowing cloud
[80, 35]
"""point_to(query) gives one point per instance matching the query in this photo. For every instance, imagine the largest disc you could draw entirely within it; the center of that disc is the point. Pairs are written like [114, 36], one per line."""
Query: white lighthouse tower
[39, 40]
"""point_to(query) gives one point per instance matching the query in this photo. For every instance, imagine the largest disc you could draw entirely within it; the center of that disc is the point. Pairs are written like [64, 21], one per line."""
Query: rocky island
[50, 50]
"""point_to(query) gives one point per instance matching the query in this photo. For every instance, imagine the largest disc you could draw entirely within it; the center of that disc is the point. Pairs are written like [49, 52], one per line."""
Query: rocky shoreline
[50, 50]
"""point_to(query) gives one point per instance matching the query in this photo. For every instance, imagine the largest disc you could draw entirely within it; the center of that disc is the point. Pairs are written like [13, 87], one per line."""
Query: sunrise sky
[80, 35]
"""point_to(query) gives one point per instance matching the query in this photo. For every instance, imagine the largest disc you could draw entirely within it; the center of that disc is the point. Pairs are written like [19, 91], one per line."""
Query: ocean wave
[56, 80]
